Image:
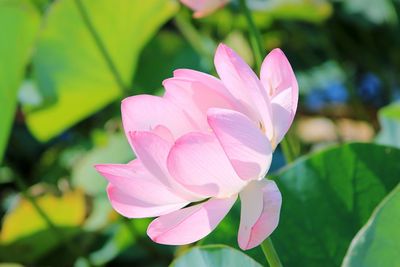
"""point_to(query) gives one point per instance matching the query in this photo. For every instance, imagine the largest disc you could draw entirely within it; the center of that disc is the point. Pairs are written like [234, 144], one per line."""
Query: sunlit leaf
[70, 64]
[10, 265]
[26, 236]
[19, 22]
[389, 118]
[378, 242]
[306, 10]
[266, 12]
[68, 210]
[214, 256]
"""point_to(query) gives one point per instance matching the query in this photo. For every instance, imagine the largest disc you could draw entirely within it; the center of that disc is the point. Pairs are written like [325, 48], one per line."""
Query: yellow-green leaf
[19, 22]
[26, 237]
[66, 211]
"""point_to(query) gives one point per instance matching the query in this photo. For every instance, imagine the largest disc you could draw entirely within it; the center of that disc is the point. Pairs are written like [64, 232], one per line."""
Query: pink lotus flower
[203, 8]
[206, 140]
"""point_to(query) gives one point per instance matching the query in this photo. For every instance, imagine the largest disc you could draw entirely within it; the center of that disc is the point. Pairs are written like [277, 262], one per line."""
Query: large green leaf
[378, 242]
[327, 197]
[214, 255]
[389, 118]
[70, 61]
[19, 22]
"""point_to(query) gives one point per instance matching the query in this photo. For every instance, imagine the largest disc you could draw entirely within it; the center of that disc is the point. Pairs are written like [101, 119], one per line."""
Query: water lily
[203, 144]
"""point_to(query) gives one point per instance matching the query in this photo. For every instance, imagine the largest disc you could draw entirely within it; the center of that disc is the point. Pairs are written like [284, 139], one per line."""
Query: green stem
[270, 253]
[288, 148]
[195, 40]
[103, 50]
[191, 35]
[23, 188]
[255, 35]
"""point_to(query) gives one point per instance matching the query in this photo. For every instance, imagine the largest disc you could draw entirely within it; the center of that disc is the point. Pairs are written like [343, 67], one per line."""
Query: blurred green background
[65, 66]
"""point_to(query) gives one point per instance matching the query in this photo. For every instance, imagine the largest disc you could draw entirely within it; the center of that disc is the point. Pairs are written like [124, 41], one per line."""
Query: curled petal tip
[222, 45]
[224, 48]
[277, 50]
[98, 167]
[164, 82]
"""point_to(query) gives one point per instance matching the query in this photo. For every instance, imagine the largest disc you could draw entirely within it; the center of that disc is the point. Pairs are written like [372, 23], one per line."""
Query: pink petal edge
[261, 204]
[190, 224]
[131, 207]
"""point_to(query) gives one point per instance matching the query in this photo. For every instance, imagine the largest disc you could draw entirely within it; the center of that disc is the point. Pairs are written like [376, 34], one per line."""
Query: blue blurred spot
[370, 89]
[335, 92]
[66, 136]
[315, 100]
